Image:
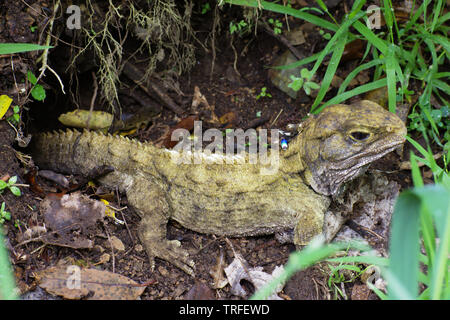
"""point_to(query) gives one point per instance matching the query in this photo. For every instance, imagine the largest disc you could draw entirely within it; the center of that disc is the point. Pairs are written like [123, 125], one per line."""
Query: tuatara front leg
[149, 200]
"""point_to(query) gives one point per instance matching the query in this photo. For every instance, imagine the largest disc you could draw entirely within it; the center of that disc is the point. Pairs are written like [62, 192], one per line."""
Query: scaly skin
[232, 199]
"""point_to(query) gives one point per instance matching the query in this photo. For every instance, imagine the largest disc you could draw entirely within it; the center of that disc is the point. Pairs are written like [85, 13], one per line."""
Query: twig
[276, 118]
[136, 75]
[235, 56]
[44, 56]
[94, 96]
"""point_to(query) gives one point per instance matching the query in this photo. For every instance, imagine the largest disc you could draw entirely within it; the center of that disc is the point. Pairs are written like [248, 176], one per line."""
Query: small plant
[8, 48]
[337, 277]
[303, 82]
[4, 215]
[277, 25]
[263, 93]
[38, 91]
[325, 35]
[425, 121]
[15, 118]
[11, 186]
[206, 8]
[239, 27]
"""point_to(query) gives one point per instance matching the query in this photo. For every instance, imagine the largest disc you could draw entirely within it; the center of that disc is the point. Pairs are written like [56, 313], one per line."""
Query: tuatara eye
[359, 135]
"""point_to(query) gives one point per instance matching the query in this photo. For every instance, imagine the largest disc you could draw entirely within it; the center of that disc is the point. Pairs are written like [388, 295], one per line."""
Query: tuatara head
[339, 143]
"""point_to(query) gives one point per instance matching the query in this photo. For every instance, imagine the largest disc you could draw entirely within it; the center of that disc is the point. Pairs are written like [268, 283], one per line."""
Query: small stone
[104, 258]
[138, 248]
[117, 244]
[360, 292]
[163, 271]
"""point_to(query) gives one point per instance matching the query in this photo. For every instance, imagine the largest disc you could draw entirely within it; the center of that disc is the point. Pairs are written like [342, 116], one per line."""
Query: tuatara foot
[169, 250]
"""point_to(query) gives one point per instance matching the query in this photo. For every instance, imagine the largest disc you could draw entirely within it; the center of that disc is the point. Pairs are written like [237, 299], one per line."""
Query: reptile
[230, 199]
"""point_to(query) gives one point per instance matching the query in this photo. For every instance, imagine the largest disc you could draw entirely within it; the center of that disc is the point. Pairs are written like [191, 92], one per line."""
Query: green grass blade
[354, 92]
[7, 283]
[9, 48]
[371, 37]
[436, 201]
[356, 8]
[298, 63]
[404, 248]
[415, 171]
[441, 85]
[368, 259]
[285, 10]
[343, 29]
[437, 13]
[389, 18]
[331, 70]
[391, 79]
[355, 71]
[443, 19]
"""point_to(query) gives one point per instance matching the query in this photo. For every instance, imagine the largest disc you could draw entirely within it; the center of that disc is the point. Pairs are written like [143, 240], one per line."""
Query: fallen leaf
[200, 291]
[73, 282]
[239, 270]
[199, 100]
[5, 102]
[229, 118]
[85, 119]
[71, 219]
[207, 110]
[117, 244]
[217, 273]
[186, 123]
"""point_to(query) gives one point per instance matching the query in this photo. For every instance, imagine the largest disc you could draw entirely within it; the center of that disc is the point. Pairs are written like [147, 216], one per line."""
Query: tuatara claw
[171, 251]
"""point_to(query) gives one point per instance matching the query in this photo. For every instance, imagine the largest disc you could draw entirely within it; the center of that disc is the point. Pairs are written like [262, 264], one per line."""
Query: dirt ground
[231, 93]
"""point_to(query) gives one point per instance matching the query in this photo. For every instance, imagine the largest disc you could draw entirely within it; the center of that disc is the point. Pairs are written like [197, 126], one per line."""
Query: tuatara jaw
[343, 140]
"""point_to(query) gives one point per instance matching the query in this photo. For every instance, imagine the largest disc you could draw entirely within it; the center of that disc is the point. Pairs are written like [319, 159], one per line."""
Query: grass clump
[403, 56]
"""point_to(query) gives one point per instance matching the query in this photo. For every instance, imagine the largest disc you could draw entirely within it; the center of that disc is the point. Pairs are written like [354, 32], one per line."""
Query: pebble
[117, 244]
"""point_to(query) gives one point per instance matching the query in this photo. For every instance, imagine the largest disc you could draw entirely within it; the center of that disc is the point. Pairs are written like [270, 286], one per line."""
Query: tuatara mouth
[343, 174]
[346, 148]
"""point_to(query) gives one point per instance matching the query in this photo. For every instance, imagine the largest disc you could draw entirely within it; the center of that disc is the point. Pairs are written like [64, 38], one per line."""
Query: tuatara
[331, 148]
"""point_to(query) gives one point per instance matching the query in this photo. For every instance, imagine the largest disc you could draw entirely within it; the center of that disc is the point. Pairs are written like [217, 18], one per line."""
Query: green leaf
[371, 37]
[285, 10]
[391, 79]
[404, 247]
[331, 70]
[3, 184]
[15, 191]
[38, 92]
[31, 77]
[322, 5]
[7, 215]
[8, 48]
[357, 70]
[7, 283]
[354, 92]
[296, 83]
[12, 180]
[436, 201]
